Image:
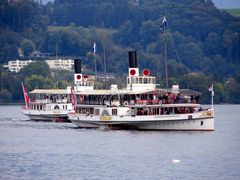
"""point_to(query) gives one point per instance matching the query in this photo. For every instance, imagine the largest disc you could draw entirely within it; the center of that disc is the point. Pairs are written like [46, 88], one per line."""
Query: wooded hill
[203, 43]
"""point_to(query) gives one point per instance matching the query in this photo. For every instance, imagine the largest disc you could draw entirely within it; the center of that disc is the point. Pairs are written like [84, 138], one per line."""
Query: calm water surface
[38, 150]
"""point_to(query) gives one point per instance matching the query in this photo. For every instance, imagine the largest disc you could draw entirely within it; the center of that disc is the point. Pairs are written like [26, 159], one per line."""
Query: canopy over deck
[50, 91]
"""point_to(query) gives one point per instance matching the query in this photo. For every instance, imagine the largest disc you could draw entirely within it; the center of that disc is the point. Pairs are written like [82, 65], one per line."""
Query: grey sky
[229, 4]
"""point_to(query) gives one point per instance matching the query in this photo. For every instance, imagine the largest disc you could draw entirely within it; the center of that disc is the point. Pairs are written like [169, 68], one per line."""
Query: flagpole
[212, 94]
[165, 56]
[95, 61]
[164, 25]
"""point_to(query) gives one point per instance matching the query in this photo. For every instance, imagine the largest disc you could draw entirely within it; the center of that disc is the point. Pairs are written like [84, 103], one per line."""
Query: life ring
[125, 103]
[129, 111]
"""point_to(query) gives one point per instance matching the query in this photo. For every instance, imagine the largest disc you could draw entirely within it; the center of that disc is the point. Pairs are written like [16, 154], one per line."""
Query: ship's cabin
[50, 99]
[141, 82]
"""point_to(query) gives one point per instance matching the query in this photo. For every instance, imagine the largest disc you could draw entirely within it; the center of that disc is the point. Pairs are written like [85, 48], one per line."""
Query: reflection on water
[45, 150]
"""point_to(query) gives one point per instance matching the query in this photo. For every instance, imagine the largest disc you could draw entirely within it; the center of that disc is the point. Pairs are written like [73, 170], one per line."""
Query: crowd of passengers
[170, 98]
[54, 98]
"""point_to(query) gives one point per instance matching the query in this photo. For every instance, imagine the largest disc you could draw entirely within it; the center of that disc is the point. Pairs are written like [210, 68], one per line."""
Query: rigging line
[101, 37]
[174, 47]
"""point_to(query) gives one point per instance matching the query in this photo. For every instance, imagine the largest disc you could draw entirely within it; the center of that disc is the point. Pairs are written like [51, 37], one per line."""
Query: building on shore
[16, 66]
[61, 64]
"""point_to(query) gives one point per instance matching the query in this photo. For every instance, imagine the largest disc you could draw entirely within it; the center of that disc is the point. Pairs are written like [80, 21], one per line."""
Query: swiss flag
[26, 98]
[73, 99]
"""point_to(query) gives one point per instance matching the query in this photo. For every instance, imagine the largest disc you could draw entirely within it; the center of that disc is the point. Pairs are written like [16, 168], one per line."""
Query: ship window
[133, 80]
[155, 111]
[145, 80]
[140, 80]
[96, 112]
[114, 112]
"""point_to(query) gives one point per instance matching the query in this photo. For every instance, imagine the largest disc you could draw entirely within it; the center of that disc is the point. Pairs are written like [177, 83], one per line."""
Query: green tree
[38, 67]
[28, 46]
[5, 96]
[38, 82]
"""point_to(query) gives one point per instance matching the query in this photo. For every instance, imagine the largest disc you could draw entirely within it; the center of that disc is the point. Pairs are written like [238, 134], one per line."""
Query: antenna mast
[95, 63]
[164, 26]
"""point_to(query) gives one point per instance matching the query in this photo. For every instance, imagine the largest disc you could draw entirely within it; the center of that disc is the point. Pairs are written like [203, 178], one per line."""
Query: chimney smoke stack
[132, 59]
[78, 66]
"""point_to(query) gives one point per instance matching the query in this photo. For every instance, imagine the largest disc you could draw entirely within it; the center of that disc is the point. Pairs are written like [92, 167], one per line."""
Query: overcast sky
[227, 3]
[219, 3]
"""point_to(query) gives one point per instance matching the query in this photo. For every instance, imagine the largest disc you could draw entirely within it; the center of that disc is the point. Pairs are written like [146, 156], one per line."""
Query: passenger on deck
[177, 98]
[139, 112]
[197, 97]
[185, 110]
[145, 112]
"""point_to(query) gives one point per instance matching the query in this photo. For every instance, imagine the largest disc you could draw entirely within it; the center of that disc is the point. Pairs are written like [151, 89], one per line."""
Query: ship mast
[57, 59]
[103, 41]
[164, 26]
[165, 58]
[95, 64]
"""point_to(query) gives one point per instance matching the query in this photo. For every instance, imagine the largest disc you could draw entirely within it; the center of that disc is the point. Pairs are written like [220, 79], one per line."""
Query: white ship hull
[50, 115]
[199, 121]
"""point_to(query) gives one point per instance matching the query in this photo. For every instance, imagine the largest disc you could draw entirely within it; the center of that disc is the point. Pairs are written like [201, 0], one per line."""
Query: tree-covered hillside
[203, 42]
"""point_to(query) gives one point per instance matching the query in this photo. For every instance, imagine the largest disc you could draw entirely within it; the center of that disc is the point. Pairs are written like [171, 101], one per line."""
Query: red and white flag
[73, 99]
[26, 98]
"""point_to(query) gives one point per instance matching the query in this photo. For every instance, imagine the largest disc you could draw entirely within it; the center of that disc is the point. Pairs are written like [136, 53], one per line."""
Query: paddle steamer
[48, 104]
[141, 105]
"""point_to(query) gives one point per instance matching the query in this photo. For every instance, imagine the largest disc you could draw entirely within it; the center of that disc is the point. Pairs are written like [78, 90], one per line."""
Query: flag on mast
[73, 99]
[26, 98]
[94, 48]
[164, 23]
[212, 93]
[210, 88]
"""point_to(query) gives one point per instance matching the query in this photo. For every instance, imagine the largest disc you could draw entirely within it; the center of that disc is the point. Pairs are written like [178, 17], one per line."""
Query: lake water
[40, 150]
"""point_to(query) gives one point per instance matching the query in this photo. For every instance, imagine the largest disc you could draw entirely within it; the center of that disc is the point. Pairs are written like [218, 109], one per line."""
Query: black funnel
[132, 59]
[78, 66]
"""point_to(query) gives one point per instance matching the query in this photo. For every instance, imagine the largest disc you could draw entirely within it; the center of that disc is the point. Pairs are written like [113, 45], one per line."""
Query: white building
[16, 66]
[61, 64]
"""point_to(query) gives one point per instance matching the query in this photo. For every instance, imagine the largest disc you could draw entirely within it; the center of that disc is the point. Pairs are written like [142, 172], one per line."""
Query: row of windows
[89, 111]
[141, 80]
[43, 107]
[85, 83]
